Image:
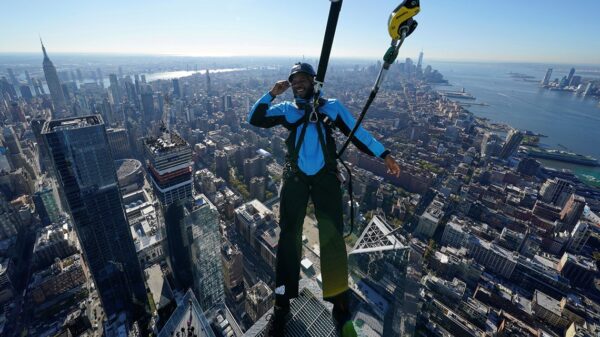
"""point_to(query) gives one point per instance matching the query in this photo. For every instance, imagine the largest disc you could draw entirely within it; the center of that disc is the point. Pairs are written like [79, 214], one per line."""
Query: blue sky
[482, 30]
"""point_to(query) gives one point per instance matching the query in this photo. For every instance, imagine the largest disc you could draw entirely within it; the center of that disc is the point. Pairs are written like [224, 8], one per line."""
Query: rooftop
[50, 234]
[547, 302]
[63, 266]
[376, 237]
[229, 250]
[223, 320]
[188, 316]
[435, 210]
[271, 237]
[254, 211]
[125, 167]
[167, 142]
[309, 318]
[511, 256]
[113, 130]
[259, 292]
[371, 297]
[581, 261]
[71, 123]
[200, 200]
[158, 285]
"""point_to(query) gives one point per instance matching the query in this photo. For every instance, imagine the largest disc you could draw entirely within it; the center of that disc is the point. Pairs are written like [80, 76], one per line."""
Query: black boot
[342, 315]
[276, 324]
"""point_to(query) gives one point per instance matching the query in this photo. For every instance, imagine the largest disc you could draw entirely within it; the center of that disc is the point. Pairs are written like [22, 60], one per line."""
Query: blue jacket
[310, 157]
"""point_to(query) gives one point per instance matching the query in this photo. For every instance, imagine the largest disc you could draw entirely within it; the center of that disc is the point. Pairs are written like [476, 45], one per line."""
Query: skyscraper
[36, 88]
[588, 89]
[10, 224]
[379, 252]
[169, 158]
[570, 76]
[408, 66]
[114, 89]
[28, 78]
[556, 191]
[79, 75]
[572, 210]
[7, 88]
[579, 237]
[202, 221]
[45, 204]
[12, 77]
[41, 87]
[546, 79]
[85, 170]
[575, 81]
[420, 62]
[118, 140]
[56, 92]
[187, 320]
[148, 107]
[37, 124]
[100, 77]
[490, 145]
[309, 316]
[226, 103]
[176, 88]
[513, 140]
[221, 164]
[208, 88]
[26, 93]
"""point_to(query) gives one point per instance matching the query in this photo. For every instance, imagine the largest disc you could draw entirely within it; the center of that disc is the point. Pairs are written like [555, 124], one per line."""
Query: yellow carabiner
[399, 17]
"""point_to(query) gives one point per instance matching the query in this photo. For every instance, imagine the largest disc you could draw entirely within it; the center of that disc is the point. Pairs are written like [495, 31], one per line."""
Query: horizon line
[361, 58]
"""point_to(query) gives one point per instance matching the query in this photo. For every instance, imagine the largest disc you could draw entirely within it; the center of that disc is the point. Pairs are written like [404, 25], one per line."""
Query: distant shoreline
[361, 59]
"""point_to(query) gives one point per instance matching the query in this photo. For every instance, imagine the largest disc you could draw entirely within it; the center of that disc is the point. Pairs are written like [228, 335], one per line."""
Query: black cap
[301, 67]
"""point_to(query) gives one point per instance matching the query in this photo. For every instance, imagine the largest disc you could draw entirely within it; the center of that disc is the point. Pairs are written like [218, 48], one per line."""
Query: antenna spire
[43, 48]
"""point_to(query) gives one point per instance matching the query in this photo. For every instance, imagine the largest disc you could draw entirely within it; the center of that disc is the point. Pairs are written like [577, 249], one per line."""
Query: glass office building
[87, 182]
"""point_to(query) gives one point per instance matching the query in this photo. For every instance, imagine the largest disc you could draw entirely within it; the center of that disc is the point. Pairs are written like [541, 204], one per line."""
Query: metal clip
[313, 117]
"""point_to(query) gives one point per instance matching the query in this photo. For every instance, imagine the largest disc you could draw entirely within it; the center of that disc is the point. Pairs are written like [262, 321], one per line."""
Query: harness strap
[296, 147]
[329, 158]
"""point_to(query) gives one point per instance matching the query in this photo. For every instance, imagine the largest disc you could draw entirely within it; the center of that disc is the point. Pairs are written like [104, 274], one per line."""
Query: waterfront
[167, 75]
[569, 121]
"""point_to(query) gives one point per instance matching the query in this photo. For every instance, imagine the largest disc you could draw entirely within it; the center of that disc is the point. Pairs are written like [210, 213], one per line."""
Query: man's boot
[276, 324]
[342, 315]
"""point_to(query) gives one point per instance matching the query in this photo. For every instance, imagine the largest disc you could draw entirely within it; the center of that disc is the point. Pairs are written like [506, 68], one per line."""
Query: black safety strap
[296, 147]
[329, 159]
[332, 19]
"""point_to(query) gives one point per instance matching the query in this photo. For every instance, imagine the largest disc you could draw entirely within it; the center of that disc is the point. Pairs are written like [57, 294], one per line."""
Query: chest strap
[294, 149]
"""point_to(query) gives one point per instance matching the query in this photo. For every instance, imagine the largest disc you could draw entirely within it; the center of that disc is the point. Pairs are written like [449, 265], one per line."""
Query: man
[311, 171]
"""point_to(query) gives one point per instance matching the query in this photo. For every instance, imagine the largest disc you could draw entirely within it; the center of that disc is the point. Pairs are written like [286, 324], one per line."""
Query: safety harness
[327, 142]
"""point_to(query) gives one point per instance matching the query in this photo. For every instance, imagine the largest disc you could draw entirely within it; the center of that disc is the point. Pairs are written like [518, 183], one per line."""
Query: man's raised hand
[279, 88]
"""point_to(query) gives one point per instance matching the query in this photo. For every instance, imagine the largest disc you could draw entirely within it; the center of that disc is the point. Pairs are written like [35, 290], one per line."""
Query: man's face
[302, 85]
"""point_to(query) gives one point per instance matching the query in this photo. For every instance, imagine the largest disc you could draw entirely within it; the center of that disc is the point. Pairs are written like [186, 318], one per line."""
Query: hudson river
[570, 122]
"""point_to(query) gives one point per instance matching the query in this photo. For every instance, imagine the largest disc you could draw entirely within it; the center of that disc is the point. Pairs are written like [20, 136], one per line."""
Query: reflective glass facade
[87, 181]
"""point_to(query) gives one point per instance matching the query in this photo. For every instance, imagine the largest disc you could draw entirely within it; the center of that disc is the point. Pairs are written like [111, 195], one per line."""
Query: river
[569, 121]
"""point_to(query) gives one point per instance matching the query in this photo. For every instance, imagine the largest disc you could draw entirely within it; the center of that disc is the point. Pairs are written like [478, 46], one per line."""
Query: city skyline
[246, 28]
[148, 196]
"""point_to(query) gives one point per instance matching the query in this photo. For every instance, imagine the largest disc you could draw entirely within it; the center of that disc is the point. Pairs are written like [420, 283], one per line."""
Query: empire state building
[58, 97]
